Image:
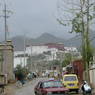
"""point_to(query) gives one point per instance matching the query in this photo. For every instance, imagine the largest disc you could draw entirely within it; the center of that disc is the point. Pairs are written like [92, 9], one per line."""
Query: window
[52, 84]
[70, 78]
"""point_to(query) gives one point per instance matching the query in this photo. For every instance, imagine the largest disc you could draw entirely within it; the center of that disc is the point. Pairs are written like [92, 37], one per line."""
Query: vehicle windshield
[70, 78]
[52, 84]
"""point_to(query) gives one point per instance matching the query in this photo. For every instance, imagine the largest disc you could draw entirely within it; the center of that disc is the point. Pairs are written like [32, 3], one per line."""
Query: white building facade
[50, 53]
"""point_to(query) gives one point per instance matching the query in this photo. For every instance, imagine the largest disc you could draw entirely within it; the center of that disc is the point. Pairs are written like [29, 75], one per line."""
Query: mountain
[48, 38]
[18, 41]
[77, 40]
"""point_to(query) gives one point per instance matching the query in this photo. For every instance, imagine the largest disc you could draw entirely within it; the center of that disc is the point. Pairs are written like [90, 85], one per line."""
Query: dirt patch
[10, 90]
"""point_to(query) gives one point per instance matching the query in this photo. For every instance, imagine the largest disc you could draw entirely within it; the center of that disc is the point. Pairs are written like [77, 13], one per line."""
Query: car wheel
[66, 93]
[77, 91]
[36, 93]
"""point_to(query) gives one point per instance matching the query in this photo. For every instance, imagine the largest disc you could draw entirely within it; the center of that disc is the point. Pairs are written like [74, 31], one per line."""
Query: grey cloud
[35, 17]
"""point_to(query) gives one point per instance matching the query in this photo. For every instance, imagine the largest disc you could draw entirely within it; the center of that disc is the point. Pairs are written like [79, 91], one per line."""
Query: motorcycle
[86, 89]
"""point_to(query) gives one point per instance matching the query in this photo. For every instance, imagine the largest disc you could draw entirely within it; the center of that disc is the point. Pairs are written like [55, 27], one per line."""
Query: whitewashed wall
[92, 77]
[20, 61]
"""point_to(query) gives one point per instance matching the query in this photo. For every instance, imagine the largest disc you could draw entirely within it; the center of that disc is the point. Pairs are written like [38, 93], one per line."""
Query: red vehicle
[50, 87]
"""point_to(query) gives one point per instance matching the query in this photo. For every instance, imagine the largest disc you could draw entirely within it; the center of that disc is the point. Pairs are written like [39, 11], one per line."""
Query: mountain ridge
[18, 41]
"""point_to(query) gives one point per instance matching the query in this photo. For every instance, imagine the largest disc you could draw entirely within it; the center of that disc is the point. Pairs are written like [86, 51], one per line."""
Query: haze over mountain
[18, 41]
[48, 38]
[77, 40]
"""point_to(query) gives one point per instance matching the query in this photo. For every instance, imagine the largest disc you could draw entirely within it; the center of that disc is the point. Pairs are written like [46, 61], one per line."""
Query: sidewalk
[10, 90]
[93, 91]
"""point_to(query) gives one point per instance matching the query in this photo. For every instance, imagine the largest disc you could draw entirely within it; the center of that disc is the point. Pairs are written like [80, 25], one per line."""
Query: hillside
[18, 41]
[77, 40]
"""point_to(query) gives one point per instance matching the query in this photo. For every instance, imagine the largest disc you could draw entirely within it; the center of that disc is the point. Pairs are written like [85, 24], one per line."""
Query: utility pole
[5, 26]
[6, 16]
[87, 43]
[24, 50]
[31, 64]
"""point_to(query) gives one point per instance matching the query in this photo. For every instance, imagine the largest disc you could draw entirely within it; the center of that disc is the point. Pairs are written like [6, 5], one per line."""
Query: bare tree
[79, 15]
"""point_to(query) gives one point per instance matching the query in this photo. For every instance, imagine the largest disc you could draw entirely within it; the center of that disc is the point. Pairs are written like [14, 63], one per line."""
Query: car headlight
[49, 93]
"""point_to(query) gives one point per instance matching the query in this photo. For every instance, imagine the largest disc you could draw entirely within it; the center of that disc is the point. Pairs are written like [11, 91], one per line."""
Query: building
[7, 59]
[36, 54]
[48, 52]
[36, 49]
[71, 49]
[59, 46]
[20, 58]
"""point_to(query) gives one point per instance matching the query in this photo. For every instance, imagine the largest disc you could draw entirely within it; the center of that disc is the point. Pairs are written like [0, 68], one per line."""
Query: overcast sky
[32, 18]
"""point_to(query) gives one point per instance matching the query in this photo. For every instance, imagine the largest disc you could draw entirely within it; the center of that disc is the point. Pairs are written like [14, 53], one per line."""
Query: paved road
[28, 89]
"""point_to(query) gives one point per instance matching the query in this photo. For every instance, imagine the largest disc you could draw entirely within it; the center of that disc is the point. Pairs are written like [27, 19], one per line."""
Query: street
[49, 40]
[28, 89]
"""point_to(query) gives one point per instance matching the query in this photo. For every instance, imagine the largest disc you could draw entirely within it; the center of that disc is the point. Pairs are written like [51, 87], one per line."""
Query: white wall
[35, 50]
[72, 49]
[20, 61]
[92, 77]
[18, 52]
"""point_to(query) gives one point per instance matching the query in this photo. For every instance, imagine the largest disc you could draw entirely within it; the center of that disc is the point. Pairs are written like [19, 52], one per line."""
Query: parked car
[71, 82]
[50, 87]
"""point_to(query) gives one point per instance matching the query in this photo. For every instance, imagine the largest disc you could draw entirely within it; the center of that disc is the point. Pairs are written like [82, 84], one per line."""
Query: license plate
[71, 84]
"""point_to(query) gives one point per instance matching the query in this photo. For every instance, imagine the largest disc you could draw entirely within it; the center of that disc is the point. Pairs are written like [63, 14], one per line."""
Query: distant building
[48, 51]
[74, 52]
[20, 58]
[59, 46]
[40, 48]
[44, 53]
[71, 49]
[36, 49]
